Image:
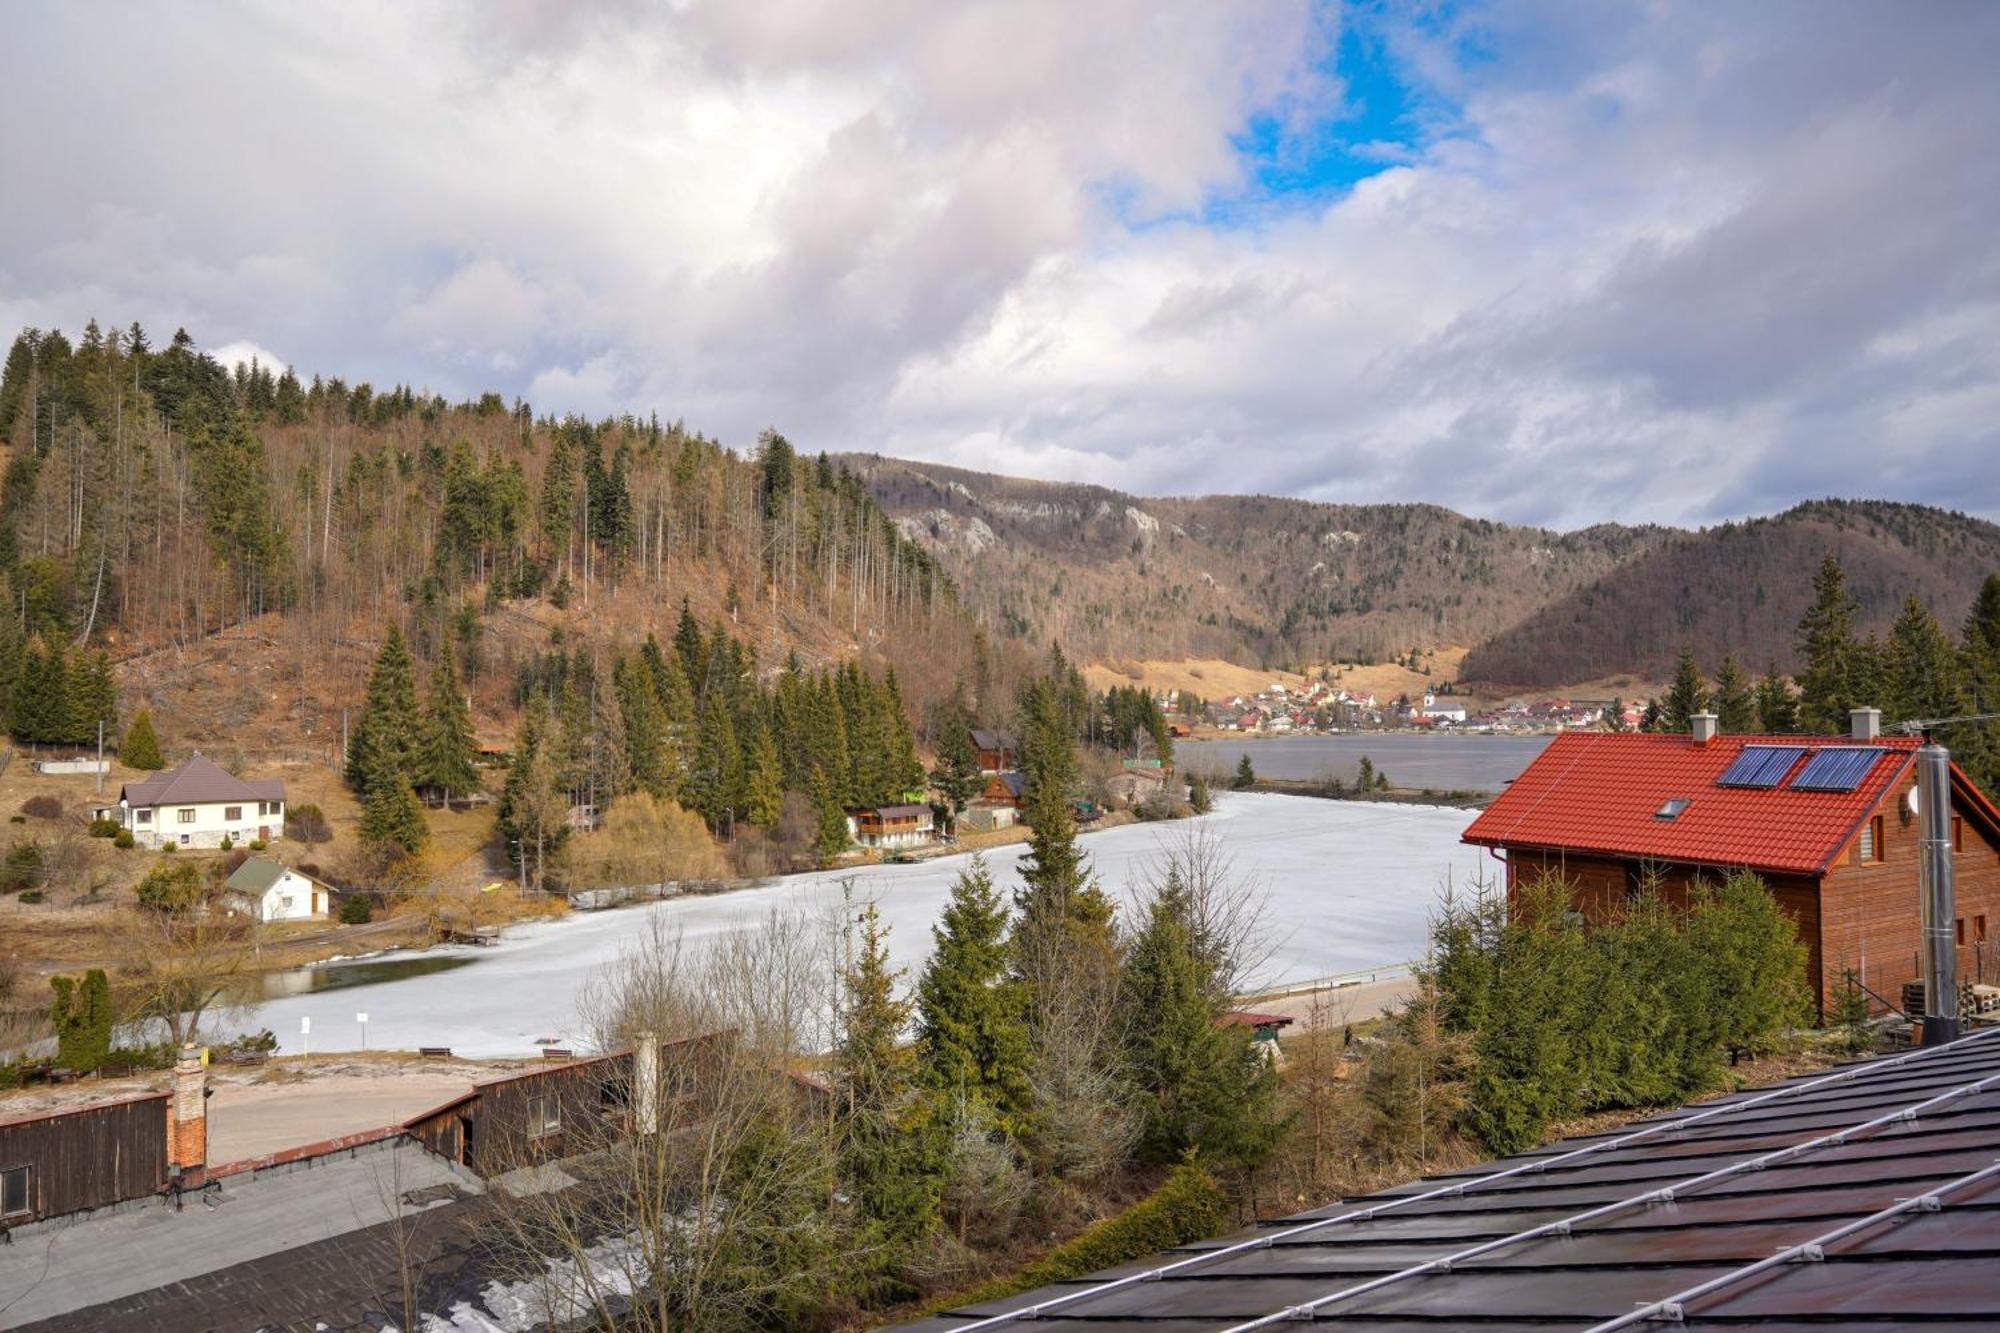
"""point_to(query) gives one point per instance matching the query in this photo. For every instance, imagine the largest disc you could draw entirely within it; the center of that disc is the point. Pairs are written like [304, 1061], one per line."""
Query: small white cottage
[198, 805]
[271, 892]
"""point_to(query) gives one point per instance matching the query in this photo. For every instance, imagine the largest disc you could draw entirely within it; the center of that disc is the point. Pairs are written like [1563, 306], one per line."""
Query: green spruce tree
[1827, 685]
[1685, 696]
[384, 741]
[445, 757]
[1735, 701]
[392, 819]
[972, 1035]
[1926, 676]
[1977, 745]
[141, 746]
[764, 791]
[830, 832]
[1777, 708]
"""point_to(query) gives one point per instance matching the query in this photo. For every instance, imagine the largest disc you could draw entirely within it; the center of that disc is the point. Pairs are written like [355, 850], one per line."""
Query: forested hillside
[238, 543]
[1741, 589]
[1250, 578]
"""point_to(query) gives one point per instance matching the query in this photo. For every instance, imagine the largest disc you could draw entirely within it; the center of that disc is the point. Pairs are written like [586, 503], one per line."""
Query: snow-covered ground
[1350, 887]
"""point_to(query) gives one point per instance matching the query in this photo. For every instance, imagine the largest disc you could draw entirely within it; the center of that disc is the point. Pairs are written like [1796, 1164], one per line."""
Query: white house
[1443, 710]
[198, 805]
[271, 892]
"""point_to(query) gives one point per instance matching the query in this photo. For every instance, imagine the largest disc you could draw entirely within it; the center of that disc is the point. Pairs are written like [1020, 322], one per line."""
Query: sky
[1543, 262]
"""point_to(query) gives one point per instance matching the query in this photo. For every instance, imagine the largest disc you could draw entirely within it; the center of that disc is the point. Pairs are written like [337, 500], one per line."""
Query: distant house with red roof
[1827, 822]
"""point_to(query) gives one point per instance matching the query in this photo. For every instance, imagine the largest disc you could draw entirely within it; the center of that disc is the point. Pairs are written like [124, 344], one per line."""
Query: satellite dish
[1910, 800]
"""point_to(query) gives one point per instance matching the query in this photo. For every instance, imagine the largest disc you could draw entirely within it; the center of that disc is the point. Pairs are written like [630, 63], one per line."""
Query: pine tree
[533, 816]
[764, 781]
[1246, 774]
[646, 738]
[830, 835]
[1925, 671]
[1064, 940]
[957, 773]
[1827, 647]
[445, 761]
[1977, 745]
[141, 746]
[692, 651]
[1649, 717]
[93, 700]
[1777, 709]
[971, 1029]
[392, 817]
[891, 1138]
[384, 740]
[716, 783]
[1735, 702]
[83, 1018]
[41, 709]
[1685, 697]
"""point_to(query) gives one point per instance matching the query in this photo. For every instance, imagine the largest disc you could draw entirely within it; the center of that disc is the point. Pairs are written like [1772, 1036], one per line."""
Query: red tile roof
[1593, 791]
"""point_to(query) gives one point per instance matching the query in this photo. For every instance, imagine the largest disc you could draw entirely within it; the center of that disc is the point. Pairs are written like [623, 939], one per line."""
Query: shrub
[153, 1055]
[31, 896]
[105, 828]
[227, 842]
[170, 887]
[356, 910]
[21, 868]
[43, 807]
[307, 823]
[123, 838]
[170, 847]
[81, 1015]
[258, 844]
[1188, 1206]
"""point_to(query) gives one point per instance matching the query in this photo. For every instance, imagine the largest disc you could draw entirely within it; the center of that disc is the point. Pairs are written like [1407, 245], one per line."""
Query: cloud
[1558, 262]
[242, 353]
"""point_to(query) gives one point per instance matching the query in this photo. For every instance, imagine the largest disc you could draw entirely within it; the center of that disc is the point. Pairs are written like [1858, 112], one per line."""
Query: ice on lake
[1350, 886]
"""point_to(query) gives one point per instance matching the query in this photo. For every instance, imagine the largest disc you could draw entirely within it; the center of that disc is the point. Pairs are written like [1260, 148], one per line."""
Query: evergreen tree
[646, 733]
[1064, 940]
[533, 816]
[1649, 717]
[1827, 647]
[383, 744]
[41, 709]
[1200, 799]
[93, 701]
[764, 781]
[141, 747]
[83, 1019]
[717, 781]
[1735, 701]
[445, 760]
[830, 835]
[1977, 745]
[1777, 709]
[971, 1029]
[1246, 774]
[957, 775]
[892, 1144]
[1925, 670]
[392, 817]
[1685, 697]
[692, 651]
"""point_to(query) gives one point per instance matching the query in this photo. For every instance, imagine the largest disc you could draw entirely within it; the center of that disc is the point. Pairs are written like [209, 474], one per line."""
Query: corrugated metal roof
[1585, 1232]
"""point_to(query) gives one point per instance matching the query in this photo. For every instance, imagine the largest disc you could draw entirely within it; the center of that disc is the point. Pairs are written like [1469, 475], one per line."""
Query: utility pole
[100, 756]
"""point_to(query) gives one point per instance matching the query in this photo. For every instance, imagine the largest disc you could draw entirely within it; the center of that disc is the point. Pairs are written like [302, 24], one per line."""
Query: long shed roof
[1874, 1186]
[200, 780]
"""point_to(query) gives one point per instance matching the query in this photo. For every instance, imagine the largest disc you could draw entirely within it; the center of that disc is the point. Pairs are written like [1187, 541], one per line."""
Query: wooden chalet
[1828, 823]
[887, 826]
[998, 750]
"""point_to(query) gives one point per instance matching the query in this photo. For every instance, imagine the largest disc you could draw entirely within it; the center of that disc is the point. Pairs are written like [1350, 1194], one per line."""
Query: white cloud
[1658, 262]
[243, 352]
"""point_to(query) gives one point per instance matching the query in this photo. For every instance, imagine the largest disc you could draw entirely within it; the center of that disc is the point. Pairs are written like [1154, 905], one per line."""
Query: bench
[435, 1052]
[557, 1053]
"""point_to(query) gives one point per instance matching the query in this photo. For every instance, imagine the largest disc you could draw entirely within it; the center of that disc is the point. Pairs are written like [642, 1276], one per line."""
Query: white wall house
[271, 892]
[198, 805]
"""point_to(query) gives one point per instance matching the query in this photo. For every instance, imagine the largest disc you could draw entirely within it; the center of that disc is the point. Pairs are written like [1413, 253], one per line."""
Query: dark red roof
[1595, 791]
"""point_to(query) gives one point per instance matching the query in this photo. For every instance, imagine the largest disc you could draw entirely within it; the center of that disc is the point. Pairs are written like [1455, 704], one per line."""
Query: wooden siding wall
[90, 1158]
[1872, 907]
[588, 1093]
[1603, 884]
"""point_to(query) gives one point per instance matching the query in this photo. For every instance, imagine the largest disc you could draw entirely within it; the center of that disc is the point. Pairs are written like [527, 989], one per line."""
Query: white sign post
[362, 1019]
[306, 1031]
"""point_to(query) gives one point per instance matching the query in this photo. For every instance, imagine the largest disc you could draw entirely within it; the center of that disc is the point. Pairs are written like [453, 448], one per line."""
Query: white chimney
[1865, 724]
[1704, 726]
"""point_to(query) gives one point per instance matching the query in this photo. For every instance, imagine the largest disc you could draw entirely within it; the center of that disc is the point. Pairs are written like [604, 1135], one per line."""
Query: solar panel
[1760, 766]
[1840, 768]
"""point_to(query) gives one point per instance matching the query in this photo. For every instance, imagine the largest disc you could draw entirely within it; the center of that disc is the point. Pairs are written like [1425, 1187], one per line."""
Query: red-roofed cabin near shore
[1829, 823]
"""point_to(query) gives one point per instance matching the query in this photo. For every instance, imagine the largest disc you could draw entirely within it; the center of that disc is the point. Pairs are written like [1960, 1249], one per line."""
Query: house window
[232, 813]
[186, 814]
[1958, 930]
[144, 816]
[1957, 834]
[1979, 928]
[1870, 846]
[15, 1196]
[544, 1116]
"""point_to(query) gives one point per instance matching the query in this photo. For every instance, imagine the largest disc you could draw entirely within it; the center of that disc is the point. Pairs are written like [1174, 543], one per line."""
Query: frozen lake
[1413, 760]
[1350, 886]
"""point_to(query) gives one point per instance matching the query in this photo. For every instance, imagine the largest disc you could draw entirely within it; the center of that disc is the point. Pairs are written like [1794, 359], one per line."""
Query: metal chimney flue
[1938, 954]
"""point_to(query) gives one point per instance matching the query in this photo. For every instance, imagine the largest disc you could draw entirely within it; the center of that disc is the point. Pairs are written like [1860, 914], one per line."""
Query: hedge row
[1189, 1205]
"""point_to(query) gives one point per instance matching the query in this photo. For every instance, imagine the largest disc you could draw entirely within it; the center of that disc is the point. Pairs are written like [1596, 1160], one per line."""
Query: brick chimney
[646, 1084]
[1703, 727]
[187, 1117]
[1865, 724]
